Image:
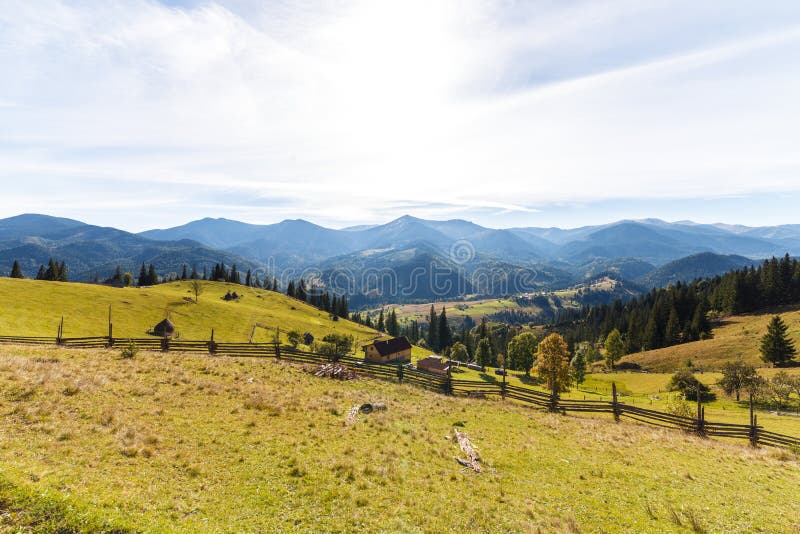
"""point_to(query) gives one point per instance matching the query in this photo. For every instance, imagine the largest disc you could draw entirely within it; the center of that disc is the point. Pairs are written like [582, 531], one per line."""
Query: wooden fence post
[400, 372]
[59, 338]
[448, 384]
[165, 342]
[753, 424]
[615, 402]
[701, 415]
[212, 345]
[503, 386]
[110, 328]
[278, 350]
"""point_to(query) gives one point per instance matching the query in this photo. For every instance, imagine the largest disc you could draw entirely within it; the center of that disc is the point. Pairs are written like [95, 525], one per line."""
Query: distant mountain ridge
[648, 251]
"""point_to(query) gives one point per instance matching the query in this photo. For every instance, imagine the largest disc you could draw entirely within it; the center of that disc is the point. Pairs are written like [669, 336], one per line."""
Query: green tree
[143, 279]
[294, 338]
[578, 365]
[672, 332]
[522, 352]
[443, 331]
[381, 323]
[483, 353]
[127, 279]
[197, 289]
[553, 363]
[615, 348]
[776, 347]
[459, 352]
[685, 382]
[16, 271]
[780, 388]
[392, 326]
[433, 334]
[736, 376]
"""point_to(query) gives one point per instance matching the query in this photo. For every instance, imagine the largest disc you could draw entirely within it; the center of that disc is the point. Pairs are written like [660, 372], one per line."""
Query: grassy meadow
[35, 308]
[189, 442]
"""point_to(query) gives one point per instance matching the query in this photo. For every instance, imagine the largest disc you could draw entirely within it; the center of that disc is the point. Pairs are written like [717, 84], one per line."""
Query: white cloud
[341, 111]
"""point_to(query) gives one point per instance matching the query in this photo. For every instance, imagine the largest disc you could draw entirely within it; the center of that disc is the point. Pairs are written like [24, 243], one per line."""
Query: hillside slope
[737, 335]
[188, 443]
[702, 265]
[38, 307]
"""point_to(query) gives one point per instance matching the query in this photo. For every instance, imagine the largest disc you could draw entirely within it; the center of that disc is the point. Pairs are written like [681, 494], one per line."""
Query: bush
[685, 382]
[628, 366]
[130, 350]
[677, 405]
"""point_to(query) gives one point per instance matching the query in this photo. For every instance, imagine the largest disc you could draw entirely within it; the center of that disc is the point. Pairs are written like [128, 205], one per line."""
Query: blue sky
[141, 114]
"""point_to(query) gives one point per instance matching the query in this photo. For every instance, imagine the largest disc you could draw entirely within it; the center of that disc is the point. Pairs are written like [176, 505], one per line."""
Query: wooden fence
[448, 385]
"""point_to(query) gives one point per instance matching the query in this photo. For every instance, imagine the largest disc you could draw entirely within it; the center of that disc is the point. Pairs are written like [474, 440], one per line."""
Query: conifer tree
[443, 331]
[433, 334]
[195, 275]
[776, 347]
[248, 278]
[42, 274]
[143, 278]
[152, 276]
[16, 271]
[184, 273]
[392, 327]
[381, 326]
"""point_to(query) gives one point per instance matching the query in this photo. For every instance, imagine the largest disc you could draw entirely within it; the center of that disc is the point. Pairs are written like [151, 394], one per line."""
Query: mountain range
[407, 258]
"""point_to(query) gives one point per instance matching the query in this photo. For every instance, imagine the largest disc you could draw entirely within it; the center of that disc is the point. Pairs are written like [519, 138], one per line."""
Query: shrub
[685, 382]
[677, 405]
[130, 350]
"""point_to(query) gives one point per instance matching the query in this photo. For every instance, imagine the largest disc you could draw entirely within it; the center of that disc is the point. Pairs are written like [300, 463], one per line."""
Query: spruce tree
[42, 274]
[248, 278]
[143, 278]
[443, 331]
[381, 326]
[152, 276]
[195, 275]
[16, 271]
[184, 273]
[672, 331]
[433, 334]
[392, 326]
[776, 347]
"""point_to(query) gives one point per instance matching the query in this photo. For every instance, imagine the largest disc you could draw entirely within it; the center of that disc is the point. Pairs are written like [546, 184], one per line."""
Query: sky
[141, 114]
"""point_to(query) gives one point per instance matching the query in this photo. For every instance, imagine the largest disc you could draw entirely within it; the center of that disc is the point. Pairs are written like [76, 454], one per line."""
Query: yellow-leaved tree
[552, 359]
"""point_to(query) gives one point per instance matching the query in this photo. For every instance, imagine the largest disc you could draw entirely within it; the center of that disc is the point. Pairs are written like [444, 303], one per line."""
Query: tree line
[680, 313]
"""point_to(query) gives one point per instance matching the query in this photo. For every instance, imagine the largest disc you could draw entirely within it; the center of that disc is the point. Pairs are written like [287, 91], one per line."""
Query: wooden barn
[434, 364]
[396, 349]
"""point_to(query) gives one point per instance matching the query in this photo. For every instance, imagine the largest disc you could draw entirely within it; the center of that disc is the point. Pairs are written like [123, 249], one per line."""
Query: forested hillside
[681, 313]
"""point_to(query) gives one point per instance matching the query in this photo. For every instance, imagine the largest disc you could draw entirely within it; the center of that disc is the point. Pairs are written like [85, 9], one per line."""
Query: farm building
[434, 364]
[396, 349]
[164, 329]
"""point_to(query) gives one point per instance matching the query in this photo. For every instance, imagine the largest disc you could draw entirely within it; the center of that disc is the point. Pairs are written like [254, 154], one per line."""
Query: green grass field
[456, 309]
[35, 308]
[187, 443]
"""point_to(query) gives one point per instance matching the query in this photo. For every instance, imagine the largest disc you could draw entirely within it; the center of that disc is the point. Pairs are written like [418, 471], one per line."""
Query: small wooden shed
[434, 364]
[164, 329]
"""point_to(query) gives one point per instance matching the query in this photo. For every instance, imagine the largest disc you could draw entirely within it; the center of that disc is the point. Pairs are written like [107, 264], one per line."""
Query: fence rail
[754, 433]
